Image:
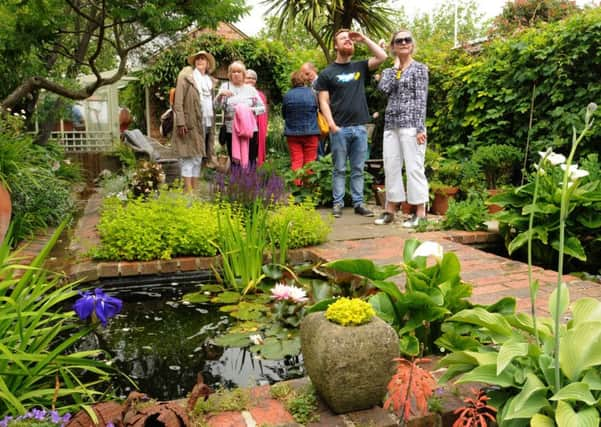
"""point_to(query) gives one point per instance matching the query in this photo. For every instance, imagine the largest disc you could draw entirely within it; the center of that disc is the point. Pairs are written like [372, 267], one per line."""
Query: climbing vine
[486, 99]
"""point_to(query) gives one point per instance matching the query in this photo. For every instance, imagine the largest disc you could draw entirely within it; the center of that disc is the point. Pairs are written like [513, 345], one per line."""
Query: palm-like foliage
[372, 16]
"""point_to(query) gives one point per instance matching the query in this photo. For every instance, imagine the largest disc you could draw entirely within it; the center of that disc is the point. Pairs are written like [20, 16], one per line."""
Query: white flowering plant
[583, 212]
[543, 373]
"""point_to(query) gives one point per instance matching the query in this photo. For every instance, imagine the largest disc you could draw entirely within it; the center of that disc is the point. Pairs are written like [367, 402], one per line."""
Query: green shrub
[307, 225]
[160, 228]
[498, 162]
[38, 178]
[470, 214]
[316, 180]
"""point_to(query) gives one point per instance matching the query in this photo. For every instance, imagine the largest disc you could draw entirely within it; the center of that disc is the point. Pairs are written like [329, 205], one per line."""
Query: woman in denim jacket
[299, 108]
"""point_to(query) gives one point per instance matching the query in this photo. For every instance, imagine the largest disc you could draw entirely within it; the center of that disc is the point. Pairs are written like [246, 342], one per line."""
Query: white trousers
[190, 166]
[400, 148]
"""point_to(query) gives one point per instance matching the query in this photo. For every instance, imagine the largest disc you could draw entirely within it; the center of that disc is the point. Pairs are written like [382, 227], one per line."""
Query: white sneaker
[414, 221]
[385, 218]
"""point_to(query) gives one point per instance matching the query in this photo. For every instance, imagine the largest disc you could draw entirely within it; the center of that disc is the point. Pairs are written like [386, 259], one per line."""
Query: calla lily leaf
[572, 247]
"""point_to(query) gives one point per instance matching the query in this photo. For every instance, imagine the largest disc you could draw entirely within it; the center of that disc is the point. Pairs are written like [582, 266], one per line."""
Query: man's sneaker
[337, 210]
[414, 221]
[385, 218]
[363, 211]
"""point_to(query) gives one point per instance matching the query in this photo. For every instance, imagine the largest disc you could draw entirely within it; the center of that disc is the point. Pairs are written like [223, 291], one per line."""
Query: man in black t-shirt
[341, 88]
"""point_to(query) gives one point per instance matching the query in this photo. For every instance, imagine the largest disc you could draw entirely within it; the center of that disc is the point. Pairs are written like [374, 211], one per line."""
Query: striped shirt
[407, 96]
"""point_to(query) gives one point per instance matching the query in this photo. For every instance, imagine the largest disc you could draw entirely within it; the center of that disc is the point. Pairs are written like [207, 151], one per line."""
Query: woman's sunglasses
[403, 40]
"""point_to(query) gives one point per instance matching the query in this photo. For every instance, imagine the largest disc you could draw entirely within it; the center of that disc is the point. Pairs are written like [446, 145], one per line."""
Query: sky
[253, 23]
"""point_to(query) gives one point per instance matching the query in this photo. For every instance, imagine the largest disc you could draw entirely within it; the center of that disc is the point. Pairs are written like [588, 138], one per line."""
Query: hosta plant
[545, 373]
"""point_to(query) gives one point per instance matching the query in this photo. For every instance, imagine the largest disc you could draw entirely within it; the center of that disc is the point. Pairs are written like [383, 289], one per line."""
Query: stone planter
[350, 366]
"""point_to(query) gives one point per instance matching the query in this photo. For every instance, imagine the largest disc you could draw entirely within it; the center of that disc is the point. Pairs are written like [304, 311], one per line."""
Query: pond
[162, 342]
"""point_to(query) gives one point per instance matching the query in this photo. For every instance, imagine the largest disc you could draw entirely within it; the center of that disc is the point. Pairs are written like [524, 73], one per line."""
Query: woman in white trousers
[406, 85]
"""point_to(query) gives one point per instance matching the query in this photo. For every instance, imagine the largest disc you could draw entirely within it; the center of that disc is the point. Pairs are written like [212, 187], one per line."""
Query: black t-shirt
[346, 85]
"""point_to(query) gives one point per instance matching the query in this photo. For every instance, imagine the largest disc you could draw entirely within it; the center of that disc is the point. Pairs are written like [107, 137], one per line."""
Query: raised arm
[379, 54]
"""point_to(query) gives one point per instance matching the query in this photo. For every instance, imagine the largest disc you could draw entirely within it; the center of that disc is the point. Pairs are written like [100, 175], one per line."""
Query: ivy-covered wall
[486, 98]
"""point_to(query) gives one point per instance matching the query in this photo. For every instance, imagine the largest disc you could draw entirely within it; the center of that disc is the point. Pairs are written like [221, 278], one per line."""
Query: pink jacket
[243, 127]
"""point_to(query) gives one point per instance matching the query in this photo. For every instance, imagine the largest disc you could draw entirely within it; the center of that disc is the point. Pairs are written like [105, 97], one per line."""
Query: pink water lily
[283, 292]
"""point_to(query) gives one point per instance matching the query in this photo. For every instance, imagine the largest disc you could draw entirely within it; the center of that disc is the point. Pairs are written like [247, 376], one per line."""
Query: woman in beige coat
[194, 117]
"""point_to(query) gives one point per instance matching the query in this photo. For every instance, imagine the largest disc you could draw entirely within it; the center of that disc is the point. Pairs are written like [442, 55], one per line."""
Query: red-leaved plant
[410, 388]
[476, 411]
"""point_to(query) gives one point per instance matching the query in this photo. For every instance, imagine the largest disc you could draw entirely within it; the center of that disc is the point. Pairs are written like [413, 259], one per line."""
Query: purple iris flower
[97, 305]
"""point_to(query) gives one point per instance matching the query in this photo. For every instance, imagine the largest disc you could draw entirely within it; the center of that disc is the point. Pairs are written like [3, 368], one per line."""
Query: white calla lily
[553, 158]
[429, 249]
[575, 173]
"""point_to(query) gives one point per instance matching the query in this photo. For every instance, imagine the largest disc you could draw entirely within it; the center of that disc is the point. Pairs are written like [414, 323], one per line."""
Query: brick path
[492, 277]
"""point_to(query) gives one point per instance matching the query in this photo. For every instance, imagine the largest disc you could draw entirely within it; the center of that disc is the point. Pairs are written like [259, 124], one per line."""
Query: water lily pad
[226, 297]
[228, 308]
[249, 311]
[214, 288]
[273, 271]
[196, 297]
[262, 298]
[274, 349]
[244, 327]
[236, 339]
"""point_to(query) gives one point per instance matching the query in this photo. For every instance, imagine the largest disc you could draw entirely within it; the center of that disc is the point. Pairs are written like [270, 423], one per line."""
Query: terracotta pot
[493, 207]
[5, 211]
[349, 366]
[440, 204]
[379, 194]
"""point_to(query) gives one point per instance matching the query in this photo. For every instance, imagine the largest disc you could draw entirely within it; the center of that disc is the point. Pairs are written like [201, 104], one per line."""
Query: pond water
[162, 343]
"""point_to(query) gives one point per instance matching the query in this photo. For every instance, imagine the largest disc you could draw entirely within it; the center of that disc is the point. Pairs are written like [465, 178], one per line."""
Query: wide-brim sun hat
[210, 59]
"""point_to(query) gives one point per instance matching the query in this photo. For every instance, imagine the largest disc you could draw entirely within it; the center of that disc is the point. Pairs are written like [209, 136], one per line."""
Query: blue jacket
[299, 108]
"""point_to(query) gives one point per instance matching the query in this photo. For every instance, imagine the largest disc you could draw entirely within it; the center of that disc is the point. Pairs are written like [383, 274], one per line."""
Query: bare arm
[324, 106]
[379, 54]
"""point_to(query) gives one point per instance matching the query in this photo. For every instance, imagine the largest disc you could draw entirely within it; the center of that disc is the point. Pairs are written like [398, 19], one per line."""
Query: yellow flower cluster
[350, 311]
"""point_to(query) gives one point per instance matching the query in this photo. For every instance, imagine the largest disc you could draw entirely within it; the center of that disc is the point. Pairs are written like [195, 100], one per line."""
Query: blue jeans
[349, 142]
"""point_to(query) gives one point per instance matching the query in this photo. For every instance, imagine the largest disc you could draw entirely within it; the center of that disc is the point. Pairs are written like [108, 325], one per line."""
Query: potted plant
[348, 354]
[444, 184]
[498, 162]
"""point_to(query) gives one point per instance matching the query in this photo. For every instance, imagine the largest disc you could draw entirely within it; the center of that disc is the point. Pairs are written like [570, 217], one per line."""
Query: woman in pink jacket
[232, 93]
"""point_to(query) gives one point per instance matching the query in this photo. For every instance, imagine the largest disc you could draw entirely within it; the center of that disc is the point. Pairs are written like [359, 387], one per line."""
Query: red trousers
[303, 149]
